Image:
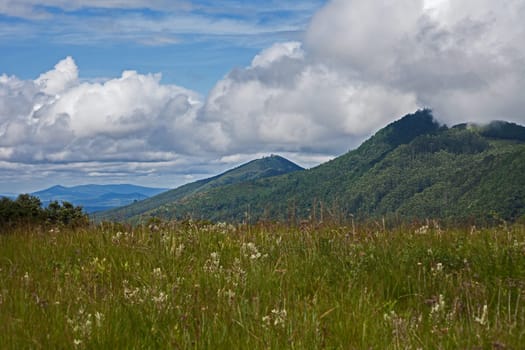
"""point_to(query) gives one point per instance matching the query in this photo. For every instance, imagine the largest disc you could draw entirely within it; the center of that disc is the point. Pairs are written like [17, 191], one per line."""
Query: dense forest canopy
[413, 169]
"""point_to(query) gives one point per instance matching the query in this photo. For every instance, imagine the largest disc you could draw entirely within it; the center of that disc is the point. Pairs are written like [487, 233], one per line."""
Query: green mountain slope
[256, 169]
[412, 169]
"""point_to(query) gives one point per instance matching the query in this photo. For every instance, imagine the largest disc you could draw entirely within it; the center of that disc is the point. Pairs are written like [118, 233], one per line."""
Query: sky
[164, 92]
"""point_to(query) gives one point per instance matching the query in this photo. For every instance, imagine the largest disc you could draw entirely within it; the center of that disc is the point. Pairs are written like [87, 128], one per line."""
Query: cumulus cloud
[365, 63]
[464, 59]
[62, 77]
[57, 118]
[286, 102]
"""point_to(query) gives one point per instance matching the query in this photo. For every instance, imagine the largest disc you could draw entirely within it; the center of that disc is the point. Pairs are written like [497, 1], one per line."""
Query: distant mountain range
[414, 168]
[95, 198]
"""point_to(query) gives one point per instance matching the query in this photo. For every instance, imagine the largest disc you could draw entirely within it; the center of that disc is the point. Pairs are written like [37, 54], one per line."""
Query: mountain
[414, 168]
[256, 169]
[97, 197]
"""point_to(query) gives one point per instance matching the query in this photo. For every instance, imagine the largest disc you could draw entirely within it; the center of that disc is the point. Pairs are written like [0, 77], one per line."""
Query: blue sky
[193, 44]
[163, 92]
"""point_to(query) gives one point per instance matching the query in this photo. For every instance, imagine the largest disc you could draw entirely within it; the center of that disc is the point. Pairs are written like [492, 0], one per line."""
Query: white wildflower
[389, 316]
[160, 300]
[422, 230]
[276, 318]
[237, 272]
[279, 317]
[157, 273]
[133, 295]
[438, 307]
[437, 269]
[267, 320]
[82, 324]
[213, 263]
[483, 319]
[116, 237]
[26, 277]
[250, 250]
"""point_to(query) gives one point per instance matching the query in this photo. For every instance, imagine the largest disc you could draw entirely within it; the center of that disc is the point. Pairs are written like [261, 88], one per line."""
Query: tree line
[26, 210]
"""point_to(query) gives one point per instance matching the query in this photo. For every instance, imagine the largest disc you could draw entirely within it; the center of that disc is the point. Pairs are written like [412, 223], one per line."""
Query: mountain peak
[503, 130]
[272, 162]
[399, 132]
[409, 127]
[256, 169]
[412, 168]
[272, 165]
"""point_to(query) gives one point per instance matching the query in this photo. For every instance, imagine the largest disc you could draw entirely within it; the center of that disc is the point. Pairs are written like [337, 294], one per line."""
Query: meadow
[185, 285]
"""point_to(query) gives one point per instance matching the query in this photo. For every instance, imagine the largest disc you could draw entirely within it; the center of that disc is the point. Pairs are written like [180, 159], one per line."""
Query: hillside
[413, 168]
[256, 169]
[97, 197]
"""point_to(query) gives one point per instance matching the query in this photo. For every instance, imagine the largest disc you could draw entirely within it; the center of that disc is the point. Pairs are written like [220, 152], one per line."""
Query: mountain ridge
[270, 166]
[414, 168]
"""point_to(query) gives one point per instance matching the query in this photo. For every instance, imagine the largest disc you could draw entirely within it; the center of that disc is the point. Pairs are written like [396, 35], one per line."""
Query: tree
[27, 210]
[66, 214]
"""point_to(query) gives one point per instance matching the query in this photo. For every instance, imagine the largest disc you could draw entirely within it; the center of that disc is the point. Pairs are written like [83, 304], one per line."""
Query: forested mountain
[256, 169]
[413, 168]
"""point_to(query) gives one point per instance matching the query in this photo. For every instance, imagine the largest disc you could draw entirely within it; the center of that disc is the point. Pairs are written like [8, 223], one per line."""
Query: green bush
[26, 210]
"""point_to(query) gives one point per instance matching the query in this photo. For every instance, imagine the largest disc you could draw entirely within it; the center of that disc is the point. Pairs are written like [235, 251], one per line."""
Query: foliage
[27, 210]
[256, 169]
[411, 170]
[504, 130]
[65, 214]
[186, 285]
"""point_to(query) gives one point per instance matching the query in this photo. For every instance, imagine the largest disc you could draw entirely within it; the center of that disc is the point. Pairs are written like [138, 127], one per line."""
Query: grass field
[184, 286]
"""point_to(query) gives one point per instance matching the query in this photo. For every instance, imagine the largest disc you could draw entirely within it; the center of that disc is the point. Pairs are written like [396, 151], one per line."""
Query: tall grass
[217, 286]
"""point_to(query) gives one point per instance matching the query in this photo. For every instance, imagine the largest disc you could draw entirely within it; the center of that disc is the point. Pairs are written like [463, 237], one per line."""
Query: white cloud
[267, 57]
[286, 103]
[464, 59]
[362, 35]
[62, 77]
[152, 23]
[35, 9]
[355, 73]
[356, 70]
[23, 9]
[57, 118]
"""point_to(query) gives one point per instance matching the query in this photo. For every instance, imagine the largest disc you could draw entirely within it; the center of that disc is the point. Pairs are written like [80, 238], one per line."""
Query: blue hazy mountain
[97, 197]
